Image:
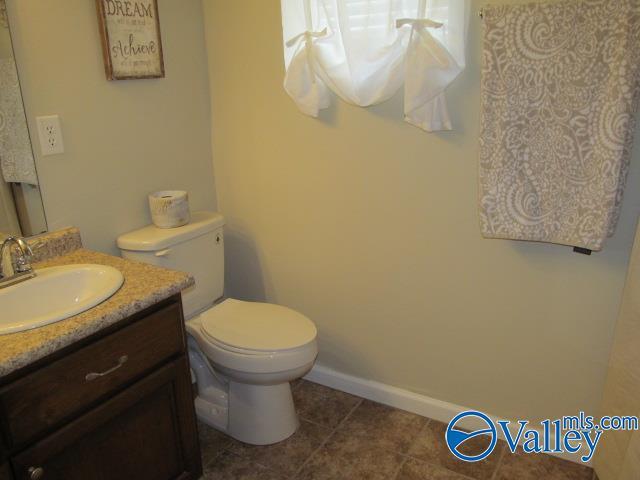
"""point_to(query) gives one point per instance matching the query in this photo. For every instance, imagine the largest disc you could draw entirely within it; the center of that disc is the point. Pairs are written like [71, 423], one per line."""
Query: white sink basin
[54, 294]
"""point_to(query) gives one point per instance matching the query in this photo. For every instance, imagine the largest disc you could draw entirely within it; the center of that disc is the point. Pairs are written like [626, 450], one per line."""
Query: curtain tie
[308, 35]
[421, 26]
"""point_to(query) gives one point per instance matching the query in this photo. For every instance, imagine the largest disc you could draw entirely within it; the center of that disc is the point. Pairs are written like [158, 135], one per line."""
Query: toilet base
[213, 415]
[252, 413]
[256, 414]
[261, 414]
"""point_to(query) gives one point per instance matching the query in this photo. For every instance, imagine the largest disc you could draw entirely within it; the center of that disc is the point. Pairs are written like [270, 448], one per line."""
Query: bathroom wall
[123, 139]
[369, 226]
[618, 455]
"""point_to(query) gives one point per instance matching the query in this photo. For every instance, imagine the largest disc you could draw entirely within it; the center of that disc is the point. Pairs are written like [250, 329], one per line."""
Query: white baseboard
[406, 400]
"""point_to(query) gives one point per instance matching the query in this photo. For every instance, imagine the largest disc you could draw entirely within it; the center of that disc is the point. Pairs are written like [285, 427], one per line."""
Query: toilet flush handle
[163, 253]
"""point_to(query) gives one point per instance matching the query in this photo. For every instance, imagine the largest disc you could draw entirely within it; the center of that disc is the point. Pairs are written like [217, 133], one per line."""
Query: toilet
[243, 354]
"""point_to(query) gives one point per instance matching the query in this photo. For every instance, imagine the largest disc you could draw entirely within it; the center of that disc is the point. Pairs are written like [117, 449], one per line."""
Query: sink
[56, 293]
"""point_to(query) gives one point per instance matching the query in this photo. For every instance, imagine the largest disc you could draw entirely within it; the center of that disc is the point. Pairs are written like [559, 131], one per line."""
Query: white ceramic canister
[169, 208]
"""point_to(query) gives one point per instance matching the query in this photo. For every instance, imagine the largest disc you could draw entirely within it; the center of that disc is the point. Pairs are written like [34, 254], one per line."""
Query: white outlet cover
[50, 134]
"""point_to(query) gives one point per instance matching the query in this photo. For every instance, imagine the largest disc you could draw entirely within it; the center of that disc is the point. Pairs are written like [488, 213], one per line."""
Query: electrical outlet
[50, 134]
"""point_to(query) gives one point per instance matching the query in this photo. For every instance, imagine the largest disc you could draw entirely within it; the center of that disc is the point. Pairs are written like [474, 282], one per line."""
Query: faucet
[20, 263]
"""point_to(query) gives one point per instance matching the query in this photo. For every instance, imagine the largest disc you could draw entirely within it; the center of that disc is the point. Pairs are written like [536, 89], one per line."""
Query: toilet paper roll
[169, 208]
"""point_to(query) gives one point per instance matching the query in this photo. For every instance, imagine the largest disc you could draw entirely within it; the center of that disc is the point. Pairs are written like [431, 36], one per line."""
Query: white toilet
[243, 354]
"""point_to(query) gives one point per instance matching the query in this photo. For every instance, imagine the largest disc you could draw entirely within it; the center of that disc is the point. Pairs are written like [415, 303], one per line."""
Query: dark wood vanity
[117, 405]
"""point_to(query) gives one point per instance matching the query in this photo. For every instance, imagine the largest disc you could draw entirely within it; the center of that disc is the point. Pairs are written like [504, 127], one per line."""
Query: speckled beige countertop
[144, 285]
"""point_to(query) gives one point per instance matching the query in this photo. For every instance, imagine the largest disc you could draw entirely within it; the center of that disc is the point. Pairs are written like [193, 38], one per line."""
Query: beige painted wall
[618, 455]
[369, 226]
[123, 139]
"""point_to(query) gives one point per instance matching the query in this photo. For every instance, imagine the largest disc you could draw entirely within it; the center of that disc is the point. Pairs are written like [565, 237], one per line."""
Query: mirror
[21, 208]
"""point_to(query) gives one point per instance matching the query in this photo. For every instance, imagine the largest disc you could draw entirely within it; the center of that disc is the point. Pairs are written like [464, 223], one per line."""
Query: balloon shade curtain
[364, 51]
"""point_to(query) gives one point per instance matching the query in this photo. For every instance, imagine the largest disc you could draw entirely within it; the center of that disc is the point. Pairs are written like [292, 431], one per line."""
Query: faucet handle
[27, 249]
[36, 245]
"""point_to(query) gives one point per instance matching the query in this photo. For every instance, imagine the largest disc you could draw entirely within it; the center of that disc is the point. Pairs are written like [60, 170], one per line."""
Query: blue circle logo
[456, 437]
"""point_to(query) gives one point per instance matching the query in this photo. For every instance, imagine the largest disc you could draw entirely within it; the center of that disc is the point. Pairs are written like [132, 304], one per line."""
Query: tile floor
[343, 437]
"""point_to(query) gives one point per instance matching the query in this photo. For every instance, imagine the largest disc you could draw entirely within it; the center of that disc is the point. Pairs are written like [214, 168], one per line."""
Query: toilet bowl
[253, 350]
[243, 354]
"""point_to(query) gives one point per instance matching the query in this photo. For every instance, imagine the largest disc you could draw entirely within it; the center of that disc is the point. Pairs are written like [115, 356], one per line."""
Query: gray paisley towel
[561, 84]
[16, 157]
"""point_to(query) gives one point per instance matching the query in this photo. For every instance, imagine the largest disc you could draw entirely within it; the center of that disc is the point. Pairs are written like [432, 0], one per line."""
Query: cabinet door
[5, 473]
[147, 432]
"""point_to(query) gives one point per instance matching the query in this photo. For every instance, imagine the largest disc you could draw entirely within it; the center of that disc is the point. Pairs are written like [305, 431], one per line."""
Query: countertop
[144, 285]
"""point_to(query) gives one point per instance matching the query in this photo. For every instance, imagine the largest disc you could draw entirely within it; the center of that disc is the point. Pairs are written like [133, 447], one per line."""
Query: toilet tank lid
[152, 238]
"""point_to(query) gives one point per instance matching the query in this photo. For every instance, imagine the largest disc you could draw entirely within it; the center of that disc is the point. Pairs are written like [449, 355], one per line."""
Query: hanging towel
[16, 157]
[560, 87]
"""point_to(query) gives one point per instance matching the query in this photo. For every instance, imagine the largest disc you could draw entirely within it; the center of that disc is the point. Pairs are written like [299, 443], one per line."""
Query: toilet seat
[253, 328]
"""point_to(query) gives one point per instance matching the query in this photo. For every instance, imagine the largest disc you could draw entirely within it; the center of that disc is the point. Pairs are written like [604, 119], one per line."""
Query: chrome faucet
[20, 262]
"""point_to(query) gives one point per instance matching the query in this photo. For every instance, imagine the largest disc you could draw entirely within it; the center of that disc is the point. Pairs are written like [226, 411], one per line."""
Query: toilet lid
[257, 326]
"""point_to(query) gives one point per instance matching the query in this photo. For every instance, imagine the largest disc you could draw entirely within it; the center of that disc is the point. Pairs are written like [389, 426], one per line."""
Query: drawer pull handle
[92, 376]
[35, 473]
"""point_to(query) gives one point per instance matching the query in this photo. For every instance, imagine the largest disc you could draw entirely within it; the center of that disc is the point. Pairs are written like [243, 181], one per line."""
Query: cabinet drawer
[51, 395]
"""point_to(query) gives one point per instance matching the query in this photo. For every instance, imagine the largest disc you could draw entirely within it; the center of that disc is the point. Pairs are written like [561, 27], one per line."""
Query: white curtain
[365, 50]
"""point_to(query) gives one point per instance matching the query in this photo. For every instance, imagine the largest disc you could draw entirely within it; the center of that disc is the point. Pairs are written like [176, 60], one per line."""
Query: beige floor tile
[372, 442]
[431, 447]
[228, 466]
[287, 456]
[534, 466]
[383, 426]
[212, 442]
[347, 457]
[417, 470]
[322, 405]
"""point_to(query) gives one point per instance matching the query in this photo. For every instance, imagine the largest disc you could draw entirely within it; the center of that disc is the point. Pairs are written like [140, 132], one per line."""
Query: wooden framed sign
[131, 43]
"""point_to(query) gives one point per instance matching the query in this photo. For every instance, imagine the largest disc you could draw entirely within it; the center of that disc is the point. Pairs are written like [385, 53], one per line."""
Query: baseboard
[404, 400]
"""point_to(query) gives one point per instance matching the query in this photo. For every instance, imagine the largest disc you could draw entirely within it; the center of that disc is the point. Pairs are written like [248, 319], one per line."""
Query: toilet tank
[196, 248]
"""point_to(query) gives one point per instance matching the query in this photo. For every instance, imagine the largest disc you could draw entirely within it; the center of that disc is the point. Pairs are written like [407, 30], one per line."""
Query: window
[365, 50]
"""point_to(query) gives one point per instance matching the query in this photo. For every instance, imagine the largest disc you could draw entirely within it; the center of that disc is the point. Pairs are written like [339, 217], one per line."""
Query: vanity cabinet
[119, 406]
